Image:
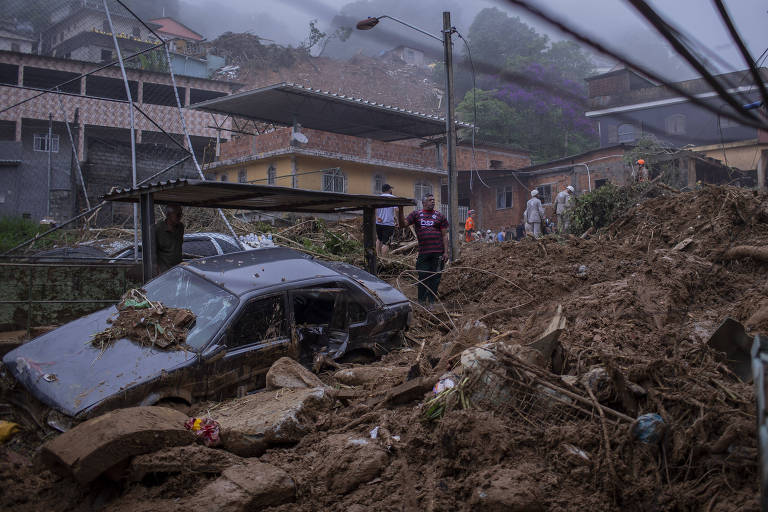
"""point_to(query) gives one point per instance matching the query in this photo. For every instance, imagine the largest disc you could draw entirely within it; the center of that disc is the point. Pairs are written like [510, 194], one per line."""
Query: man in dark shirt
[432, 233]
[169, 238]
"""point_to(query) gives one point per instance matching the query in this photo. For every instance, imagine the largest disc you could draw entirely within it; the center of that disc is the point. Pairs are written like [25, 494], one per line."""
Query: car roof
[246, 271]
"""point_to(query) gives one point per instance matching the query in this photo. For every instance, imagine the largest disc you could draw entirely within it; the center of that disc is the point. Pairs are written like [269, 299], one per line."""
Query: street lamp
[446, 39]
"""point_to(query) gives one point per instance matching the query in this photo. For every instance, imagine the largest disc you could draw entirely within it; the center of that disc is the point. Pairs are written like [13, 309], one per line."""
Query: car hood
[63, 370]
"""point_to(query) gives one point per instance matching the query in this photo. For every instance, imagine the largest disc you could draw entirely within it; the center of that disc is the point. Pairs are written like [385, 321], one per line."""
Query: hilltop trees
[530, 92]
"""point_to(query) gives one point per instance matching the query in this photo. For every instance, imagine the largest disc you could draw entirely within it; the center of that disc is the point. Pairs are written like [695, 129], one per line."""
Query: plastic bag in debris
[205, 429]
[7, 430]
[447, 381]
[648, 428]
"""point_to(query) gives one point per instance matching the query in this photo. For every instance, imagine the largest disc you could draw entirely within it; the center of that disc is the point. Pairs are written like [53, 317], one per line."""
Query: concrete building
[97, 111]
[627, 106]
[16, 37]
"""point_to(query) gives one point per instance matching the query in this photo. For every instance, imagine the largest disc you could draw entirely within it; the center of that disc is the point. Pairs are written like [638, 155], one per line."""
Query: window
[419, 191]
[41, 142]
[261, 320]
[272, 175]
[106, 55]
[611, 133]
[378, 182]
[599, 183]
[242, 176]
[727, 123]
[199, 248]
[227, 247]
[495, 164]
[545, 193]
[626, 133]
[503, 198]
[15, 47]
[334, 181]
[224, 177]
[675, 124]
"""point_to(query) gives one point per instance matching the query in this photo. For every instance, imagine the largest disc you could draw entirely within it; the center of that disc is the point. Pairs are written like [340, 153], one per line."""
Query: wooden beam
[369, 240]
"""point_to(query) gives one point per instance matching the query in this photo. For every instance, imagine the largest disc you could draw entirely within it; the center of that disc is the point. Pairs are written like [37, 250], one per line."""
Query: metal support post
[369, 243]
[50, 165]
[133, 130]
[147, 203]
[450, 132]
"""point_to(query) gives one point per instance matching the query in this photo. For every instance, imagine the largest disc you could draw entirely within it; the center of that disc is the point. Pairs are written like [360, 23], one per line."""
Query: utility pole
[450, 121]
[50, 164]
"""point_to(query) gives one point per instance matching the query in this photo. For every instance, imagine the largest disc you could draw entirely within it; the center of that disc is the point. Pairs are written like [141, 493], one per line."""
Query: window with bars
[675, 124]
[545, 193]
[378, 183]
[41, 142]
[334, 181]
[272, 175]
[420, 190]
[626, 133]
[242, 176]
[503, 198]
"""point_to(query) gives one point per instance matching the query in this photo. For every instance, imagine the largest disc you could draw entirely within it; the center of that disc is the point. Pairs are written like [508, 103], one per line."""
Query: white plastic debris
[375, 433]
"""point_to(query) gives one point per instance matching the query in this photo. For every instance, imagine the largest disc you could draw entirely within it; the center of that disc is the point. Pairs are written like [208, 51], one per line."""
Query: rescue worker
[562, 205]
[469, 226]
[169, 238]
[534, 214]
[642, 171]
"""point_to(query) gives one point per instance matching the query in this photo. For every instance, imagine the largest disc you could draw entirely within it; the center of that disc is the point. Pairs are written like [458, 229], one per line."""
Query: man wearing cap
[534, 214]
[432, 233]
[562, 205]
[385, 223]
[469, 226]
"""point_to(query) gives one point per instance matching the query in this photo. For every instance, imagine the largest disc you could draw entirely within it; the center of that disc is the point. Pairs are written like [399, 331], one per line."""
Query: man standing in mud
[432, 233]
[169, 238]
[534, 214]
[562, 205]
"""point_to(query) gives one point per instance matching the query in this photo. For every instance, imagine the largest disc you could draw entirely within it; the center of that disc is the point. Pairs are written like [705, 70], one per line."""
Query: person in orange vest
[642, 171]
[469, 226]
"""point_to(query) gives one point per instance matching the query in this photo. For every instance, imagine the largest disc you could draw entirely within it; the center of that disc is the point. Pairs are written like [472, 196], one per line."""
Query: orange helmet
[641, 162]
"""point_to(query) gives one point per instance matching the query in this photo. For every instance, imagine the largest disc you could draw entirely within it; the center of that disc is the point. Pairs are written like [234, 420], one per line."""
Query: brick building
[499, 196]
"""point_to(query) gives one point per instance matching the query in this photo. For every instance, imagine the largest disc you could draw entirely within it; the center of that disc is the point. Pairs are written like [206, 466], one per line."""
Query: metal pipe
[50, 147]
[453, 187]
[189, 143]
[74, 152]
[133, 130]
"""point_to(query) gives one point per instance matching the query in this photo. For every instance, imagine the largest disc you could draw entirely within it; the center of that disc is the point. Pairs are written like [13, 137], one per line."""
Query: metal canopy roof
[288, 103]
[243, 196]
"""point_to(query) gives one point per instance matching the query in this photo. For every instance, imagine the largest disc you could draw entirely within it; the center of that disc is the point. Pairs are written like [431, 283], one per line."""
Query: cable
[669, 33]
[742, 48]
[747, 121]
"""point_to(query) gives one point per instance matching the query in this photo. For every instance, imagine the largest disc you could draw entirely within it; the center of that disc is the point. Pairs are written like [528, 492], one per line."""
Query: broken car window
[260, 321]
[212, 305]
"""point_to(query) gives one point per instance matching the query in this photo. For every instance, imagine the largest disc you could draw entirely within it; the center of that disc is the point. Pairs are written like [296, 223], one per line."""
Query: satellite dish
[300, 137]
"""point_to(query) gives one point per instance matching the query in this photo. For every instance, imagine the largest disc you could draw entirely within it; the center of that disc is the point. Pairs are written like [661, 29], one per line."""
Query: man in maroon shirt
[432, 232]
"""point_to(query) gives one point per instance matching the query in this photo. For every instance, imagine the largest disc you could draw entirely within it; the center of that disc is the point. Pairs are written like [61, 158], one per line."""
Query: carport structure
[243, 196]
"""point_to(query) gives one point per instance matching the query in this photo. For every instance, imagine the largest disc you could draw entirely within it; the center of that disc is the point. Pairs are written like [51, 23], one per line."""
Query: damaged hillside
[556, 371]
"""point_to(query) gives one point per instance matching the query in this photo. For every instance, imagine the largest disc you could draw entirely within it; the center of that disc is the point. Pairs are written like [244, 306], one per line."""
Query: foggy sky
[612, 22]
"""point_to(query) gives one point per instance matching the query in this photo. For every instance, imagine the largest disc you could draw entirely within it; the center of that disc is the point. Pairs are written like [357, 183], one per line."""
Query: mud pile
[638, 308]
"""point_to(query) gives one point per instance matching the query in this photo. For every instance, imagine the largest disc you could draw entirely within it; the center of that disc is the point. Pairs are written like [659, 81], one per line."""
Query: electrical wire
[473, 168]
[565, 28]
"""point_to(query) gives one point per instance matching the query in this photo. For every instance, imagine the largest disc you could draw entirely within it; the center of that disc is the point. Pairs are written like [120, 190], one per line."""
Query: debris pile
[146, 322]
[558, 374]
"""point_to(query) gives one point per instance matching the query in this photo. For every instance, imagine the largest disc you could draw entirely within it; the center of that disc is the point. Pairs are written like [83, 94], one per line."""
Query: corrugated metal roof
[243, 196]
[288, 103]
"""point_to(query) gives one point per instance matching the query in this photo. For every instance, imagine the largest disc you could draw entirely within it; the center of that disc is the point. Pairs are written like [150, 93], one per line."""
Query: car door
[319, 321]
[258, 336]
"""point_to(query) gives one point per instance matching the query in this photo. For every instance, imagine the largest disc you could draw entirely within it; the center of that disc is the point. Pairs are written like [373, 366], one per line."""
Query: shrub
[602, 206]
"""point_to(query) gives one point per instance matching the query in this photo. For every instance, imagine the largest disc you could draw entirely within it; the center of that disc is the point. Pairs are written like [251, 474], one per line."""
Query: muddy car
[251, 309]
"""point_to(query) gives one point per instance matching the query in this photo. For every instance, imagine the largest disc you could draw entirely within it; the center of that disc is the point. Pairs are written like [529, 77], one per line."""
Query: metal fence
[463, 212]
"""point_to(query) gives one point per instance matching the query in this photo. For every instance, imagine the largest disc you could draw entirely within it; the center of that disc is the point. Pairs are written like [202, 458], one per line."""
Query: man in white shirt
[385, 223]
[562, 205]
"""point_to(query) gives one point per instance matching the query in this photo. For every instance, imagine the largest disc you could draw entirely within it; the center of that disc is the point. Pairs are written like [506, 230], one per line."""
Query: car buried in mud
[251, 309]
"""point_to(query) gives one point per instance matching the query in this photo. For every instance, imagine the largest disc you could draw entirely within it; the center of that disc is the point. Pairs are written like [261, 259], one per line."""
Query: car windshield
[179, 288]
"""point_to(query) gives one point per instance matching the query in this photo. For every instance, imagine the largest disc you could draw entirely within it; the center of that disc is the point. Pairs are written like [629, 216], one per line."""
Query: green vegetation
[602, 206]
[15, 230]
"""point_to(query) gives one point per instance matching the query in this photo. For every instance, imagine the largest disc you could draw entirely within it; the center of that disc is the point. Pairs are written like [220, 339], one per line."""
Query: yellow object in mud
[196, 424]
[7, 429]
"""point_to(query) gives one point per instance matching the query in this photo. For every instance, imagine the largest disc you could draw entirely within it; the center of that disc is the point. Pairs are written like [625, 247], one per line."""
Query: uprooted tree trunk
[747, 251]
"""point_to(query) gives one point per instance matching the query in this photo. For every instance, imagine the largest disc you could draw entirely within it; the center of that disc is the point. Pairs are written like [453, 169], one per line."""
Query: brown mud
[641, 309]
